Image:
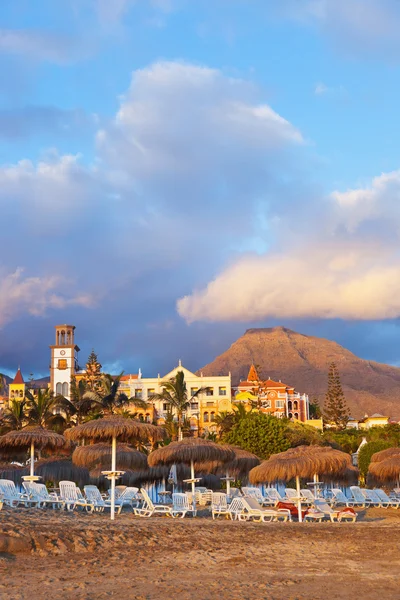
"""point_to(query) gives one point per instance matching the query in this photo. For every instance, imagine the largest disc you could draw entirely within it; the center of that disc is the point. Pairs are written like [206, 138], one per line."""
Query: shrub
[260, 433]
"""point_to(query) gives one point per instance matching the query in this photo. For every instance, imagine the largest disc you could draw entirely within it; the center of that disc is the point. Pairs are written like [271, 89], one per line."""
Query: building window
[147, 418]
[59, 389]
[212, 416]
[165, 406]
[210, 392]
[138, 393]
[209, 403]
[194, 406]
[193, 390]
[289, 405]
[266, 403]
[280, 404]
[151, 392]
[21, 394]
[222, 391]
[296, 415]
[65, 389]
[205, 417]
[62, 364]
[290, 415]
[295, 405]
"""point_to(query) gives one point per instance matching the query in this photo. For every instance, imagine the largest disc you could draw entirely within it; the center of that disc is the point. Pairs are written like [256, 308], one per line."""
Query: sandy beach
[46, 553]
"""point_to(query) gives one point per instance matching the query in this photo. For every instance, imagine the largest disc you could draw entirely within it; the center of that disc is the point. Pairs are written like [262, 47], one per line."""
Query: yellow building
[375, 420]
[16, 389]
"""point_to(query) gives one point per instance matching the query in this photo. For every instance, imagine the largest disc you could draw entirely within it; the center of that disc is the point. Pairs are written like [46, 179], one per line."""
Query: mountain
[302, 361]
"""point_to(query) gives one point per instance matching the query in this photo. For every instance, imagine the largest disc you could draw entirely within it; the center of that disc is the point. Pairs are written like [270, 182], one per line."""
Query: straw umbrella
[31, 438]
[192, 451]
[386, 470]
[300, 462]
[239, 467]
[57, 468]
[111, 428]
[385, 454]
[100, 455]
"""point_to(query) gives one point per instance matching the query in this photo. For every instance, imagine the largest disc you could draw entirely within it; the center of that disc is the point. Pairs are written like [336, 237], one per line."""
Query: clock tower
[64, 360]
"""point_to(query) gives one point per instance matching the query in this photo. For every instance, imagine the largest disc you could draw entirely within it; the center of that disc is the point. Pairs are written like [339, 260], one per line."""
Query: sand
[71, 556]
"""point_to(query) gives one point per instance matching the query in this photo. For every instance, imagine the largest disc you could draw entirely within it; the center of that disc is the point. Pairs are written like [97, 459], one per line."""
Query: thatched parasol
[59, 468]
[12, 472]
[349, 476]
[111, 428]
[238, 467]
[301, 462]
[31, 437]
[384, 454]
[100, 455]
[192, 451]
[386, 470]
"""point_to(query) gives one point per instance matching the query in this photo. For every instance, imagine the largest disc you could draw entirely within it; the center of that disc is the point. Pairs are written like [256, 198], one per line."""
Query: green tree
[82, 401]
[259, 433]
[41, 409]
[299, 434]
[315, 409]
[347, 440]
[13, 417]
[93, 375]
[336, 411]
[174, 393]
[366, 452]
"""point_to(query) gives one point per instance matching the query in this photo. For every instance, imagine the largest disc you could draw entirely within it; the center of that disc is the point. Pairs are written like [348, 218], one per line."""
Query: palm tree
[175, 394]
[13, 416]
[225, 420]
[81, 402]
[41, 409]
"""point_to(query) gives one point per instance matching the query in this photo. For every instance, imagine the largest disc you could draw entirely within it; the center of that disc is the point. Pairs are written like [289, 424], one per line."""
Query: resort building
[375, 420]
[273, 397]
[203, 409]
[17, 388]
[64, 360]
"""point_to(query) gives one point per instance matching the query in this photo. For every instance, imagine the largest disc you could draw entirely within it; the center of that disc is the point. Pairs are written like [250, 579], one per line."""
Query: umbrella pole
[228, 485]
[32, 459]
[298, 498]
[193, 484]
[113, 468]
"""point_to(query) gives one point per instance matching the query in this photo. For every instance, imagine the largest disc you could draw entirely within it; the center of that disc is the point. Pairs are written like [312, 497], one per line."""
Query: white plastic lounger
[273, 497]
[386, 501]
[148, 509]
[93, 495]
[13, 498]
[307, 496]
[247, 508]
[372, 497]
[219, 505]
[338, 498]
[129, 497]
[40, 494]
[335, 515]
[290, 494]
[359, 496]
[181, 506]
[72, 497]
[255, 492]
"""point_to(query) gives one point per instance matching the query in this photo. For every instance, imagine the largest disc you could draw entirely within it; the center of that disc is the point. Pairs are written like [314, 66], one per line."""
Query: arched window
[296, 415]
[59, 389]
[212, 416]
[147, 419]
[62, 338]
[289, 405]
[290, 415]
[65, 389]
[21, 394]
[295, 405]
[205, 417]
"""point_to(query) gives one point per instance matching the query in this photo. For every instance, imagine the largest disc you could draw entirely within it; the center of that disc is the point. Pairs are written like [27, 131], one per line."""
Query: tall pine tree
[336, 410]
[93, 374]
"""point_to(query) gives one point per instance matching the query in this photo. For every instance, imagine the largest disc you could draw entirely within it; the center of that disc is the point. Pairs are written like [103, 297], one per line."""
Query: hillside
[302, 361]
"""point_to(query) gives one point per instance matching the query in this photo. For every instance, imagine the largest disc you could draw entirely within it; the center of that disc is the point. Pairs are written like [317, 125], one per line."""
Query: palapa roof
[240, 465]
[386, 470]
[304, 462]
[42, 438]
[123, 428]
[100, 455]
[198, 450]
[58, 469]
[384, 454]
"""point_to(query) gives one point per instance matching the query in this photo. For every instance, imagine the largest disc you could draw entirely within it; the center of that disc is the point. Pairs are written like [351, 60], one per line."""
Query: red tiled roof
[253, 375]
[128, 377]
[18, 377]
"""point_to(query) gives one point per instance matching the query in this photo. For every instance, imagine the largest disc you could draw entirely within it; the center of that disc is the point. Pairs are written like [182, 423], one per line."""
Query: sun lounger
[181, 505]
[219, 505]
[255, 492]
[359, 496]
[247, 508]
[338, 498]
[13, 498]
[147, 508]
[93, 495]
[386, 501]
[40, 494]
[307, 496]
[372, 497]
[290, 495]
[272, 497]
[321, 510]
[72, 497]
[234, 493]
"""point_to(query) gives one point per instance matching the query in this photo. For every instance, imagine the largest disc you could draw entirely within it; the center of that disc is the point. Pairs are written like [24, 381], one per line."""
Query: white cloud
[35, 295]
[348, 267]
[39, 45]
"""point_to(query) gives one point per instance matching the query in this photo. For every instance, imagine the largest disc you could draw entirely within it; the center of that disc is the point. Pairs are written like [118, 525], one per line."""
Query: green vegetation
[366, 452]
[335, 408]
[259, 433]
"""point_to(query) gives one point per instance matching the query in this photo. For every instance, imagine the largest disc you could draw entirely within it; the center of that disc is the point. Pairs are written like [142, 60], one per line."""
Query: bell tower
[64, 360]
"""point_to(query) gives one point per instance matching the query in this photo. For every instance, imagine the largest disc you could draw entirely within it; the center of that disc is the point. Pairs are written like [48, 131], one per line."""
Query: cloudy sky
[173, 172]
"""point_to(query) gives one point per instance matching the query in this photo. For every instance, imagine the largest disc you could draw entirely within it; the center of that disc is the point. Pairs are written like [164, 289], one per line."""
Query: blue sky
[162, 162]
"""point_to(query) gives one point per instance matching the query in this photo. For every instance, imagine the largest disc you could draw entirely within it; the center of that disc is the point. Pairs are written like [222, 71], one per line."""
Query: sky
[173, 172]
